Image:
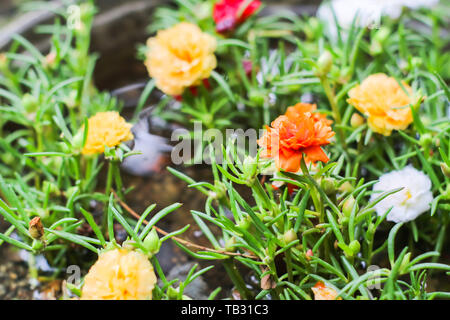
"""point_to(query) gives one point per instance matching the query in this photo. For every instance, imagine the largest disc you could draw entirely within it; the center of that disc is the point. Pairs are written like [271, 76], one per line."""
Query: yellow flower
[384, 102]
[119, 274]
[322, 292]
[180, 57]
[106, 128]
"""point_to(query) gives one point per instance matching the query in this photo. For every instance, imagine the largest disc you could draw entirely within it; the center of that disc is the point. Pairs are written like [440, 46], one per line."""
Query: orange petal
[322, 292]
[314, 154]
[299, 109]
[289, 161]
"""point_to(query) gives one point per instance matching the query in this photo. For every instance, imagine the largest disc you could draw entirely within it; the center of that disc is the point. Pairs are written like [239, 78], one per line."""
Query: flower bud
[348, 206]
[445, 169]
[356, 120]
[172, 293]
[289, 236]
[229, 244]
[354, 247]
[425, 140]
[245, 223]
[312, 28]
[404, 263]
[257, 96]
[8, 158]
[382, 34]
[324, 63]
[328, 185]
[376, 45]
[309, 254]
[152, 242]
[249, 167]
[30, 103]
[346, 187]
[49, 60]
[36, 229]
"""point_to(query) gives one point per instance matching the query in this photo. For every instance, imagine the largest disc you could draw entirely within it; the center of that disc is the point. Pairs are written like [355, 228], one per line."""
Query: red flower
[229, 13]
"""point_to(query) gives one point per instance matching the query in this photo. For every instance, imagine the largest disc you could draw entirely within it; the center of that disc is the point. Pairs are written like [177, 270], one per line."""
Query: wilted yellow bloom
[322, 292]
[384, 102]
[180, 57]
[119, 274]
[106, 128]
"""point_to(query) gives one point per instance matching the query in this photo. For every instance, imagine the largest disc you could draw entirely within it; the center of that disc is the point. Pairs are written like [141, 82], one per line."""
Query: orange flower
[384, 102]
[106, 128]
[299, 131]
[322, 292]
[180, 57]
[119, 274]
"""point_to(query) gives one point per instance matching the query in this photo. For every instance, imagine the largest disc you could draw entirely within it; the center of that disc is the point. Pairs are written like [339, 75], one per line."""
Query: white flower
[369, 12]
[408, 203]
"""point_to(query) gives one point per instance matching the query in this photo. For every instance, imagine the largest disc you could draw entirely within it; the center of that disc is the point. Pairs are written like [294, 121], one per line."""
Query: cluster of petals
[408, 203]
[120, 274]
[180, 57]
[300, 130]
[106, 129]
[322, 292]
[229, 13]
[384, 102]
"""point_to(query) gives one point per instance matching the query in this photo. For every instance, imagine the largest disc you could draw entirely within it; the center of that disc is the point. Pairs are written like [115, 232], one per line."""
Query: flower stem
[108, 188]
[33, 272]
[261, 194]
[118, 180]
[237, 279]
[334, 107]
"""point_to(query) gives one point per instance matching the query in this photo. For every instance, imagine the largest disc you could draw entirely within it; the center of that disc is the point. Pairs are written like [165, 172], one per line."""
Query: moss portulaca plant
[356, 135]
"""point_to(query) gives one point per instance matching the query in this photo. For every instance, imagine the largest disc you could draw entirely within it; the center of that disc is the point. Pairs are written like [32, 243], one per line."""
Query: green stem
[33, 272]
[237, 279]
[118, 180]
[277, 290]
[88, 171]
[261, 194]
[109, 179]
[289, 265]
[334, 107]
